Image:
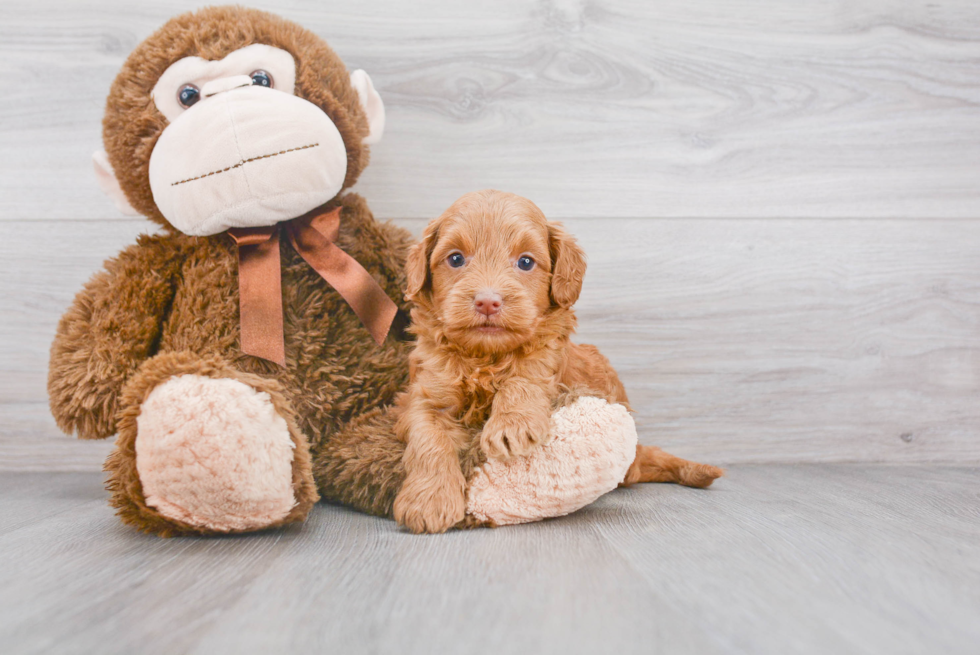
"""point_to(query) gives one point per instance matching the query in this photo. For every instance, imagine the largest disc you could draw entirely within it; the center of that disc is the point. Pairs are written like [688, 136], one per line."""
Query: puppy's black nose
[488, 302]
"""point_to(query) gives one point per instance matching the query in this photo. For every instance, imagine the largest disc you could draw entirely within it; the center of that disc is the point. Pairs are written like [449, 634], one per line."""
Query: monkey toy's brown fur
[168, 305]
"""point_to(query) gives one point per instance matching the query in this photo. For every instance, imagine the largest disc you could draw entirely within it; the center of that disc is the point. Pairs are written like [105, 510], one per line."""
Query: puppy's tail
[654, 465]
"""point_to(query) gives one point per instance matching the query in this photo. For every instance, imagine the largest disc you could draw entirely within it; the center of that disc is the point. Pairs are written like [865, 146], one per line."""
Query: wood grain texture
[774, 559]
[693, 108]
[765, 341]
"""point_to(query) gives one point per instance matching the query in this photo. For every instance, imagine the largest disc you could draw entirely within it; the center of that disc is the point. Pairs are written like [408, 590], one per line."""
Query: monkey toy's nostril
[488, 303]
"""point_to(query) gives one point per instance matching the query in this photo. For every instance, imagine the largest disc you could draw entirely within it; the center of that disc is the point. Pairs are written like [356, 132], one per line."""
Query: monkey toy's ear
[109, 184]
[371, 102]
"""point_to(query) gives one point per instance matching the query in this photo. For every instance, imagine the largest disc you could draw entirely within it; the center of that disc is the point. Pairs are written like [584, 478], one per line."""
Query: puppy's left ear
[567, 266]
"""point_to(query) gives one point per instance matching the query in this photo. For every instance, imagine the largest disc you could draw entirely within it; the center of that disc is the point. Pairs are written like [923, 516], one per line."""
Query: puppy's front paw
[510, 434]
[431, 505]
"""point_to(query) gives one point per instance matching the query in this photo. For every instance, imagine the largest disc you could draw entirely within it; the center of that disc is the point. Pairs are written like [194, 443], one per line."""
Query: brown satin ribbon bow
[260, 280]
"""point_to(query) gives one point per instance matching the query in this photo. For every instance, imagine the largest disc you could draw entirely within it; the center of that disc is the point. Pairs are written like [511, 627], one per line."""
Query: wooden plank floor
[775, 559]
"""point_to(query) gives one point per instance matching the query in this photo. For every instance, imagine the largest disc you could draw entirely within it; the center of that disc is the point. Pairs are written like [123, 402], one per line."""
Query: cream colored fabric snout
[247, 156]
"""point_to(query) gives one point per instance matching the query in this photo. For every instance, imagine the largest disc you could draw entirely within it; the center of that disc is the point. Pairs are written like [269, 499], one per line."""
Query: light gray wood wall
[780, 200]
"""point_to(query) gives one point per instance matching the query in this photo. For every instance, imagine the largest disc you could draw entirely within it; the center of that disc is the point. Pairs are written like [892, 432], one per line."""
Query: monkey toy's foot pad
[214, 453]
[593, 445]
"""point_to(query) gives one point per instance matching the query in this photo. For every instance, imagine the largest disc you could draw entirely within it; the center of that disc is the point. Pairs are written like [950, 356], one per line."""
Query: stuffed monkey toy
[245, 355]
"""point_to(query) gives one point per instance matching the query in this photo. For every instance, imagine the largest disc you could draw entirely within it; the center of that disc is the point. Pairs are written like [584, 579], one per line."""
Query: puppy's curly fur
[493, 282]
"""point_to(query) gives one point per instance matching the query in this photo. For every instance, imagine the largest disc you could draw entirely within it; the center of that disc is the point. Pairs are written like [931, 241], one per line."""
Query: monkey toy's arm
[112, 326]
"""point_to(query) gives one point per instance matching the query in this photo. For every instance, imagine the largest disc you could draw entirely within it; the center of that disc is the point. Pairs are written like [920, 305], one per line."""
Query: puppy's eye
[188, 95]
[525, 263]
[261, 78]
[456, 260]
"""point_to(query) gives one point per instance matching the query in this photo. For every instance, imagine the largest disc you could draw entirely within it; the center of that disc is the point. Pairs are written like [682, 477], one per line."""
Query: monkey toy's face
[241, 149]
[257, 135]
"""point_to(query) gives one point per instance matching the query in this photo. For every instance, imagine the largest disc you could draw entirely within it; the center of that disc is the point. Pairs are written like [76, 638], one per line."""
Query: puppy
[493, 284]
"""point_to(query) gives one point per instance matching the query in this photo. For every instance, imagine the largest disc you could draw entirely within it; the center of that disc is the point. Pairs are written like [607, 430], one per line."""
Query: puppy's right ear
[567, 266]
[417, 264]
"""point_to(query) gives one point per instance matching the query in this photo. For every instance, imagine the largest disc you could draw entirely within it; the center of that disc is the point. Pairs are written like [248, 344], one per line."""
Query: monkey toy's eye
[456, 260]
[525, 263]
[188, 95]
[261, 78]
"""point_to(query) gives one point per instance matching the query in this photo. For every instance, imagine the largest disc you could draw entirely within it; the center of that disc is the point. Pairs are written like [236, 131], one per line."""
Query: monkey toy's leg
[205, 449]
[361, 465]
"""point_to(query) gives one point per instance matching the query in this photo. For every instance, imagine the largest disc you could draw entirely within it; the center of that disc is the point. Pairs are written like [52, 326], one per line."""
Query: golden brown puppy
[493, 282]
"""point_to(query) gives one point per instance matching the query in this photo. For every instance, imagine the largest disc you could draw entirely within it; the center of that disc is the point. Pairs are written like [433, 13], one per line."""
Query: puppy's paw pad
[432, 508]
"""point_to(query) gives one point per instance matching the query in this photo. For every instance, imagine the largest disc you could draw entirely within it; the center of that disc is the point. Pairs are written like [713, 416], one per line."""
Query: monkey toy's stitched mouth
[245, 161]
